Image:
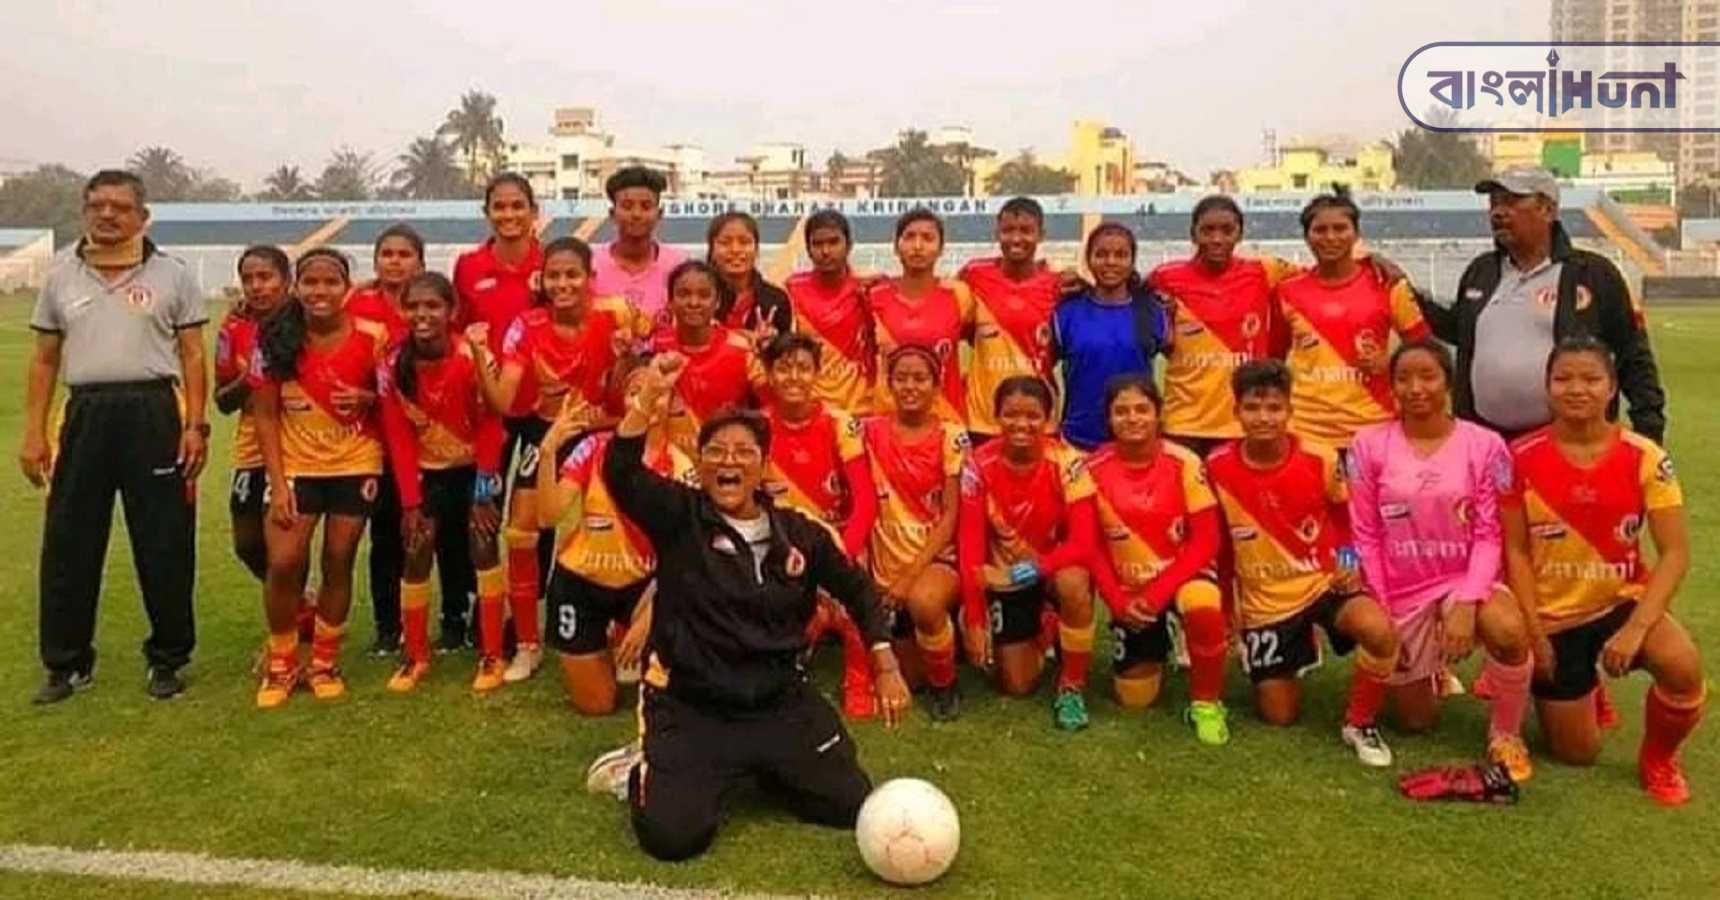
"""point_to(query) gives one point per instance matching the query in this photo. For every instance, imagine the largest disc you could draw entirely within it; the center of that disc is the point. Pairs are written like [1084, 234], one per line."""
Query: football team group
[674, 471]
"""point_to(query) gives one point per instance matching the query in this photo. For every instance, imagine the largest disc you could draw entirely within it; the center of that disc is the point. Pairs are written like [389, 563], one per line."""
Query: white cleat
[525, 663]
[608, 773]
[1370, 747]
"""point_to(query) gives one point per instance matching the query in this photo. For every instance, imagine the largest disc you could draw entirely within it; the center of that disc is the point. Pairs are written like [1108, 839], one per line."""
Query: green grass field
[1132, 807]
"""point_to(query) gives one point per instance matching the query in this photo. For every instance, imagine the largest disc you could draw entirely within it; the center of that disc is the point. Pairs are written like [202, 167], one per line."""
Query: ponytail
[280, 339]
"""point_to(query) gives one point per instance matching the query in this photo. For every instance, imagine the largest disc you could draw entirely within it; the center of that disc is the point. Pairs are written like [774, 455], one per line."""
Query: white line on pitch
[197, 868]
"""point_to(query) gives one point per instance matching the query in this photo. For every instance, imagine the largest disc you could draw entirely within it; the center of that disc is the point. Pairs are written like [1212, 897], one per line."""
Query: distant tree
[477, 133]
[914, 168]
[1437, 160]
[348, 175]
[428, 170]
[1026, 175]
[165, 174]
[208, 187]
[51, 196]
[285, 185]
[835, 167]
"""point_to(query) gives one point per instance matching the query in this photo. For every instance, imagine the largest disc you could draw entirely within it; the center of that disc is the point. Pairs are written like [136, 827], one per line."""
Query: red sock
[938, 651]
[523, 585]
[1666, 724]
[1606, 715]
[492, 600]
[856, 657]
[415, 619]
[1367, 697]
[1076, 646]
[1204, 627]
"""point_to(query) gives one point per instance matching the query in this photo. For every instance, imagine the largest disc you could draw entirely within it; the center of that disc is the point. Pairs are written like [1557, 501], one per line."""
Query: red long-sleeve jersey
[1044, 510]
[443, 424]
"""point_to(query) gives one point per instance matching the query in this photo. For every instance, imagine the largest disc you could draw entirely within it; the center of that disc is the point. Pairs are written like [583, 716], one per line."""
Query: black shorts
[249, 494]
[897, 621]
[1288, 648]
[1131, 647]
[1576, 653]
[1015, 614]
[579, 612]
[336, 495]
[448, 492]
[527, 432]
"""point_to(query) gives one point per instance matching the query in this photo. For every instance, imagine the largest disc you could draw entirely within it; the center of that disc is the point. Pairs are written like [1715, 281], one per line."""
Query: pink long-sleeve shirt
[1427, 528]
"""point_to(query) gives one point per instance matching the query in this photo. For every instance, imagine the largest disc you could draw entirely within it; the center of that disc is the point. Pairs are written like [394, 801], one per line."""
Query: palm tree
[476, 131]
[164, 172]
[286, 184]
[429, 171]
[348, 175]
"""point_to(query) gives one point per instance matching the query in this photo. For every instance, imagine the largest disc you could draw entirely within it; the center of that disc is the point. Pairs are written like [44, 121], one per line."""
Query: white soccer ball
[908, 831]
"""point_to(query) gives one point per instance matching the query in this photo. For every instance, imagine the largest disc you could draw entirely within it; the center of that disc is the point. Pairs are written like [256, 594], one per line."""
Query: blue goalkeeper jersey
[1095, 341]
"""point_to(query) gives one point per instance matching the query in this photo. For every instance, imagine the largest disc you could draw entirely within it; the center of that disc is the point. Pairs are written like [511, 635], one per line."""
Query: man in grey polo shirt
[1531, 291]
[123, 323]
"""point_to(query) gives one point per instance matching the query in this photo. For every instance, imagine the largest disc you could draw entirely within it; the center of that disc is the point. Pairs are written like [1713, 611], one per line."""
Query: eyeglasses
[742, 454]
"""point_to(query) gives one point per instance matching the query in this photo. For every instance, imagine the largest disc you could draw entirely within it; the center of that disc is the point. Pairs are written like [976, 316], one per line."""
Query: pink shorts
[1420, 645]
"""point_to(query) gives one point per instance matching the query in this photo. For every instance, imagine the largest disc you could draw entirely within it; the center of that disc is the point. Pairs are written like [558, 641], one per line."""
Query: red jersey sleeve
[400, 439]
[864, 513]
[970, 544]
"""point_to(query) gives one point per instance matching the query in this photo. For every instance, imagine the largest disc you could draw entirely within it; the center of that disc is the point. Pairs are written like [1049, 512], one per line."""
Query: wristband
[1348, 559]
[486, 487]
[1023, 573]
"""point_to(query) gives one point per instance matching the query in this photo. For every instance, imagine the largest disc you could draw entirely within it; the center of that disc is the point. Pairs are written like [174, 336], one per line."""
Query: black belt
[120, 387]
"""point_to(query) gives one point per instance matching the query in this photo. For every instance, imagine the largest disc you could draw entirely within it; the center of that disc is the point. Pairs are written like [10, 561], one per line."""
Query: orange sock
[1205, 630]
[415, 619]
[523, 585]
[492, 600]
[1666, 723]
[285, 647]
[325, 647]
[1076, 644]
[938, 651]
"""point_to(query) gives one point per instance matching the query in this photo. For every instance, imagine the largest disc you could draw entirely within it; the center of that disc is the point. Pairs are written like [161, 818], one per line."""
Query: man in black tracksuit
[1532, 291]
[724, 695]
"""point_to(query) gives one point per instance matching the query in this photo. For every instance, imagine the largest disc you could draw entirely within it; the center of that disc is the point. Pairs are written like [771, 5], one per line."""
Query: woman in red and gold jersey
[746, 302]
[447, 443]
[917, 460]
[818, 466]
[828, 305]
[1027, 538]
[265, 274]
[1585, 489]
[721, 371]
[919, 308]
[314, 390]
[565, 353]
[1160, 524]
[605, 563]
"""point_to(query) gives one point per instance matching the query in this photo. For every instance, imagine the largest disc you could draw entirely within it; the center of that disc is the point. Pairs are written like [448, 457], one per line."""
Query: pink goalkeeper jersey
[1427, 527]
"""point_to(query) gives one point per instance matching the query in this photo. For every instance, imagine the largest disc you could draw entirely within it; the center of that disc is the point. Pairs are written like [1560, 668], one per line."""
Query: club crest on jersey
[833, 484]
[485, 284]
[1308, 529]
[944, 348]
[1394, 511]
[1664, 472]
[367, 490]
[1628, 529]
[1548, 531]
[139, 297]
[795, 565]
[1251, 325]
[599, 523]
[1242, 533]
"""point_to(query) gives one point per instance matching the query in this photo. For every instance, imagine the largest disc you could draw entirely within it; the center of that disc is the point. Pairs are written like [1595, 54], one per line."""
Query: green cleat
[1209, 720]
[1069, 710]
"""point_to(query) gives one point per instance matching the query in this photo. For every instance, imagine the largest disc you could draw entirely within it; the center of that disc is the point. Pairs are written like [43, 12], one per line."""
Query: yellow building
[1102, 159]
[1313, 169]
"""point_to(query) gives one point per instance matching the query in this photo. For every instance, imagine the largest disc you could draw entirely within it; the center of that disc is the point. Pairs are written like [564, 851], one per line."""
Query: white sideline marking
[198, 868]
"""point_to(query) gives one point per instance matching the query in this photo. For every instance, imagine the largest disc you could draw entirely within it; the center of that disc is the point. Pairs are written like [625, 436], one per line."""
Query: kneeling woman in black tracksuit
[724, 694]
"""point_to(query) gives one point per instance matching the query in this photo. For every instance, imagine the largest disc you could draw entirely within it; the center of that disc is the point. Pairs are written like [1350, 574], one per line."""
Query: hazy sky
[243, 86]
